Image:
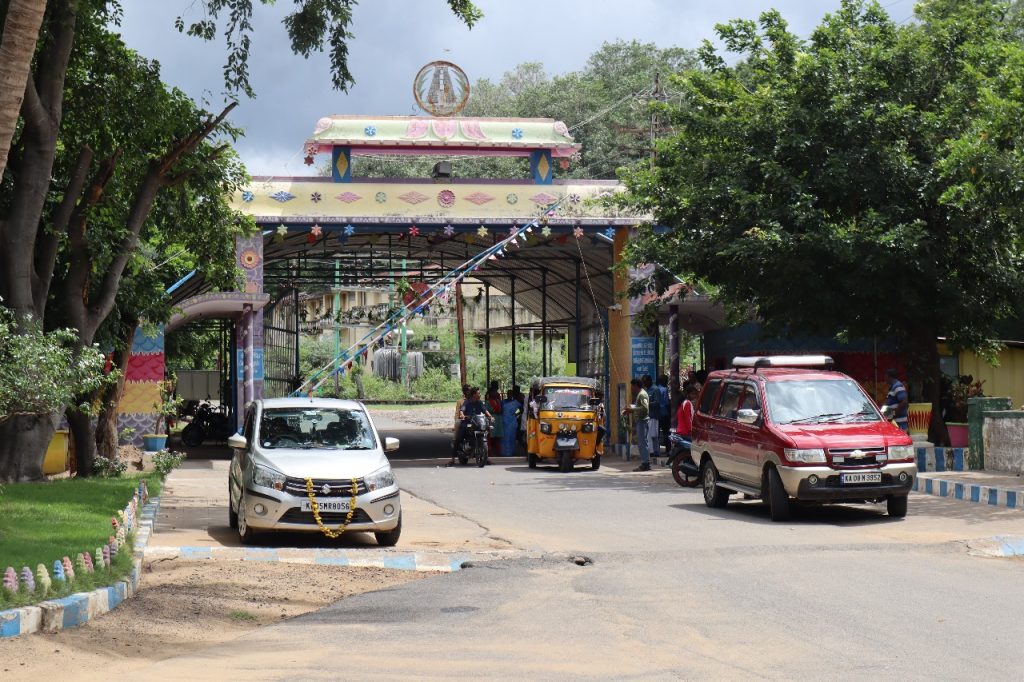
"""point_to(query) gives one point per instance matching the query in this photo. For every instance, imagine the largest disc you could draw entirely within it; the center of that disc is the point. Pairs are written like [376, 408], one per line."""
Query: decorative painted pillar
[674, 383]
[541, 167]
[249, 331]
[619, 348]
[142, 380]
[341, 164]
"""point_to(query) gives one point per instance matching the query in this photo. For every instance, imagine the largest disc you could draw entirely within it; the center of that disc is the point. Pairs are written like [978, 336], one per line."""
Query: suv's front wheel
[896, 506]
[714, 496]
[778, 500]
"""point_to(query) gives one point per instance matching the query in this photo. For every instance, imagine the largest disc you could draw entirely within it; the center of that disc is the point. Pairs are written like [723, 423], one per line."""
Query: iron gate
[281, 345]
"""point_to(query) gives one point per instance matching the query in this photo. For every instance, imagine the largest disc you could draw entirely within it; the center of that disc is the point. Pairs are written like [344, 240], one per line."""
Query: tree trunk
[106, 423]
[17, 46]
[23, 443]
[83, 431]
[924, 362]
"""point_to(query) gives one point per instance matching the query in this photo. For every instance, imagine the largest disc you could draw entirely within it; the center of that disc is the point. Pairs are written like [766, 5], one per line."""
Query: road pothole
[581, 560]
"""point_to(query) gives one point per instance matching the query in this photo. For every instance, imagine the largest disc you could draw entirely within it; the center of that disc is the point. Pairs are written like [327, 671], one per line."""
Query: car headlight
[381, 478]
[901, 452]
[805, 455]
[545, 427]
[268, 478]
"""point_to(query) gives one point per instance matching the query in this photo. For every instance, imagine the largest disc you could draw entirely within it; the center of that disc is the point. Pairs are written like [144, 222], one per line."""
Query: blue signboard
[644, 356]
[257, 364]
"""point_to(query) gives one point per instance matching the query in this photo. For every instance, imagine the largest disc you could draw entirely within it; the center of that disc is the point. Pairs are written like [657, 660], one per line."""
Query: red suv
[780, 427]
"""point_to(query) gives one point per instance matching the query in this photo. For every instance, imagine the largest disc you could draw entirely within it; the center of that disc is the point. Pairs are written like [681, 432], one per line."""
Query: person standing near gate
[656, 416]
[640, 409]
[510, 411]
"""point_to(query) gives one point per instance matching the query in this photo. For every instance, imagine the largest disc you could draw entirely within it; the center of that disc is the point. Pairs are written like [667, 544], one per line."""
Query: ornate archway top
[422, 135]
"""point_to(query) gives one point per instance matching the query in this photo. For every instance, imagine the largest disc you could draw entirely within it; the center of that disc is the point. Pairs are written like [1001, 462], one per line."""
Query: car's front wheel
[389, 538]
[714, 496]
[232, 514]
[896, 505]
[245, 533]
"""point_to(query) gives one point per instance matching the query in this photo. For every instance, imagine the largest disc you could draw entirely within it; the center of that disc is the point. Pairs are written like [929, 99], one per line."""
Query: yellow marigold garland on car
[340, 530]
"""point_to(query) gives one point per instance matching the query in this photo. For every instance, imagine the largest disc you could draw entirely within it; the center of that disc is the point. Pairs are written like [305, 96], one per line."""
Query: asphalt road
[673, 590]
[670, 589]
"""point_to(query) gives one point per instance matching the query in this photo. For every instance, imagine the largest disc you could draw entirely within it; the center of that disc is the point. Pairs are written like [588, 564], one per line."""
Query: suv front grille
[340, 487]
[840, 457]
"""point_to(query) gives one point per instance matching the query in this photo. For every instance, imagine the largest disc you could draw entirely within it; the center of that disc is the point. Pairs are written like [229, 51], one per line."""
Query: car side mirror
[238, 442]
[748, 416]
[390, 444]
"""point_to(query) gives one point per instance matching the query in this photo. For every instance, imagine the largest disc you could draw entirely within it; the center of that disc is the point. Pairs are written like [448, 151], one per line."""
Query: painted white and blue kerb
[978, 493]
[942, 459]
[79, 608]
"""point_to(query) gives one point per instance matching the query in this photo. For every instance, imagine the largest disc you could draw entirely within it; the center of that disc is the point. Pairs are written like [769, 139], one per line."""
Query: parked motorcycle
[684, 470]
[209, 423]
[475, 441]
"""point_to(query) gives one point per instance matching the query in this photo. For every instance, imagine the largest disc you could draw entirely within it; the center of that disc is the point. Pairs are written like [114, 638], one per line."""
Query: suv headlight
[807, 455]
[901, 452]
[268, 478]
[381, 478]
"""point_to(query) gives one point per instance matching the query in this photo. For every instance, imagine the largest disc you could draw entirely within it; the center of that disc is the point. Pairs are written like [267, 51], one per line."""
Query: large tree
[864, 183]
[132, 164]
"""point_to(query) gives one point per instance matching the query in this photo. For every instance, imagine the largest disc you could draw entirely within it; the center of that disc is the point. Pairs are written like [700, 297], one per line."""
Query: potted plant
[165, 410]
[956, 415]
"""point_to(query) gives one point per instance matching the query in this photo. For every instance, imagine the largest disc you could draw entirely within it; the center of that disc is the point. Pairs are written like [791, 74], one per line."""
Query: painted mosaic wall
[142, 385]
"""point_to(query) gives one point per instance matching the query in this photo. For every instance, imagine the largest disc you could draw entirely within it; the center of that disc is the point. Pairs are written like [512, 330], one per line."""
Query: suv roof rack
[758, 361]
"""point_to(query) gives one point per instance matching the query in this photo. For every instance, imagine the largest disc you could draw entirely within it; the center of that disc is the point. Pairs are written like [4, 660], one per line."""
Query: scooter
[685, 472]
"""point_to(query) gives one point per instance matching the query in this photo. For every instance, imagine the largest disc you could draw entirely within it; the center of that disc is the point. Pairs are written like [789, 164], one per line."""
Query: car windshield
[567, 398]
[319, 428]
[818, 401]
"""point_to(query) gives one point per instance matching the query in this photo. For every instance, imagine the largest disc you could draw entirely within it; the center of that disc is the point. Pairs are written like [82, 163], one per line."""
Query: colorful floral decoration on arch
[446, 198]
[380, 197]
[248, 196]
[512, 198]
[282, 196]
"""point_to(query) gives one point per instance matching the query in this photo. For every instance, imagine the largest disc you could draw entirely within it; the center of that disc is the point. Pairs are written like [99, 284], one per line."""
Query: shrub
[109, 468]
[167, 461]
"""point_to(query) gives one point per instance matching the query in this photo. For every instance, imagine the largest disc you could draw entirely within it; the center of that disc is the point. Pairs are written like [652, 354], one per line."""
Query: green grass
[42, 522]
[240, 615]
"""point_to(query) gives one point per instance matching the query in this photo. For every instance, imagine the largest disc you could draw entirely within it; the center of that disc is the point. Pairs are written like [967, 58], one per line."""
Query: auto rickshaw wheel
[565, 460]
[595, 463]
[531, 460]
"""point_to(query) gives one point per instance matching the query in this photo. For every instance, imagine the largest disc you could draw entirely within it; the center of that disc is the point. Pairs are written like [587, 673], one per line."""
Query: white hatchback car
[287, 444]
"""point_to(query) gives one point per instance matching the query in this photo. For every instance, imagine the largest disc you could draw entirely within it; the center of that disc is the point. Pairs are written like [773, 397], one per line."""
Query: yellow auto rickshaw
[562, 422]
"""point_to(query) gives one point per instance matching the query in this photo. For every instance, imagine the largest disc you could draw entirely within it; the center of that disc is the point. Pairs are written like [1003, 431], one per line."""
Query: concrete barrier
[1003, 435]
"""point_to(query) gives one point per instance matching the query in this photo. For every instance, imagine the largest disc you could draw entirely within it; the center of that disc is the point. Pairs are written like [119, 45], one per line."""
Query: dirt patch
[432, 416]
[185, 606]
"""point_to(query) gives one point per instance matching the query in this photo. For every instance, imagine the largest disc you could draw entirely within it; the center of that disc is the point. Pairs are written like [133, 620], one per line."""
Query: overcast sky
[394, 38]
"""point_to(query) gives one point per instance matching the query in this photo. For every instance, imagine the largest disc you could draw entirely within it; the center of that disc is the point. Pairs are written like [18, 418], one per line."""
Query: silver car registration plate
[326, 505]
[862, 477]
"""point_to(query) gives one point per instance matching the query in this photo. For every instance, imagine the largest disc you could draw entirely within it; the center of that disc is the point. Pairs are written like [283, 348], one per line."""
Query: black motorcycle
[209, 423]
[684, 470]
[475, 436]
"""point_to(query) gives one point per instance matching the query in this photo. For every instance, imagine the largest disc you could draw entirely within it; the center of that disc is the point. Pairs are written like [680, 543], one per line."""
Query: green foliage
[42, 372]
[529, 364]
[313, 26]
[435, 384]
[166, 461]
[864, 182]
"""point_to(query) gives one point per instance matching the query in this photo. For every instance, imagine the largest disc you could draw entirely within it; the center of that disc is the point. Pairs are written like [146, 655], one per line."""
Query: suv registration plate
[326, 505]
[861, 477]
